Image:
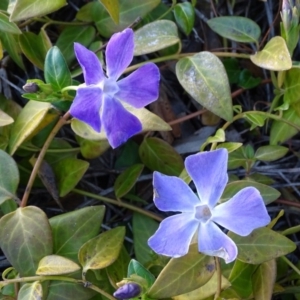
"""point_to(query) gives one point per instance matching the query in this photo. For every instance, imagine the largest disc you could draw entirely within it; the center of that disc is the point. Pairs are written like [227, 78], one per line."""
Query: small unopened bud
[30, 87]
[128, 290]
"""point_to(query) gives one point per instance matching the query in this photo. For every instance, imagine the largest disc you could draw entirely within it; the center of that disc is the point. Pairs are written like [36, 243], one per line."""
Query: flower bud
[30, 87]
[128, 290]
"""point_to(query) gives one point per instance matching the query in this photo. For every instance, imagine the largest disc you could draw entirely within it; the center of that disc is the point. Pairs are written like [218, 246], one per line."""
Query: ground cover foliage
[190, 91]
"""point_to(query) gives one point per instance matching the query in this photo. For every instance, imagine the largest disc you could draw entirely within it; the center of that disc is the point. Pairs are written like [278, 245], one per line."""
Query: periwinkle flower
[128, 290]
[98, 100]
[243, 213]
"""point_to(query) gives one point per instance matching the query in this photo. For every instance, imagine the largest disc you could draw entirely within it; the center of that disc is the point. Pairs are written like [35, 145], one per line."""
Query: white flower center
[202, 213]
[109, 86]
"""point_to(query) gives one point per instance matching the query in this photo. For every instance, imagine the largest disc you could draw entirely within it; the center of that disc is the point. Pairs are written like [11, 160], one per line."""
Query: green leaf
[280, 131]
[268, 193]
[155, 36]
[10, 43]
[203, 76]
[35, 47]
[230, 146]
[239, 29]
[7, 26]
[61, 290]
[126, 180]
[263, 280]
[240, 278]
[5, 119]
[185, 16]
[262, 245]
[29, 238]
[143, 228]
[56, 70]
[81, 34]
[92, 149]
[68, 173]
[292, 86]
[157, 155]
[102, 250]
[71, 230]
[181, 275]
[56, 265]
[150, 122]
[136, 268]
[113, 8]
[25, 9]
[9, 177]
[28, 120]
[270, 153]
[130, 10]
[275, 56]
[31, 291]
[118, 270]
[256, 119]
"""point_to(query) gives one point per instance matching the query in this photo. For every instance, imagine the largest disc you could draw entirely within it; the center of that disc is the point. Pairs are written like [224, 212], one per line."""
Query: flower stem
[219, 278]
[62, 121]
[289, 263]
[119, 203]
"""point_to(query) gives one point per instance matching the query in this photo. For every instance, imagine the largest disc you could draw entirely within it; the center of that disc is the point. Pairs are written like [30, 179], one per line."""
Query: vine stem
[62, 121]
[119, 203]
[61, 278]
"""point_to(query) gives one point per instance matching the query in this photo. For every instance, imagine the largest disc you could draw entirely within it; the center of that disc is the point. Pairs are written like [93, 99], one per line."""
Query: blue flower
[98, 101]
[243, 213]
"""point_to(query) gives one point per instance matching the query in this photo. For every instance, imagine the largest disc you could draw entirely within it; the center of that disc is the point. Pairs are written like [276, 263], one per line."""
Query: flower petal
[90, 64]
[174, 235]
[141, 87]
[243, 213]
[86, 106]
[173, 194]
[119, 124]
[209, 173]
[213, 241]
[119, 53]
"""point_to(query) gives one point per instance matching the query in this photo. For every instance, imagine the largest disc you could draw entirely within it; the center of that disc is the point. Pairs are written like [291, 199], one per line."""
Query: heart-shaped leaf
[275, 56]
[204, 77]
[25, 238]
[155, 36]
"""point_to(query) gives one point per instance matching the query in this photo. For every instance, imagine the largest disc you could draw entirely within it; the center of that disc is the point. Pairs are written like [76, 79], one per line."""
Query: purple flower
[98, 100]
[241, 214]
[128, 290]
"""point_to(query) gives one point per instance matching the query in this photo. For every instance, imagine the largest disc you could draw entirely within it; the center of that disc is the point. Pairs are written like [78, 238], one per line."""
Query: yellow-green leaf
[101, 251]
[113, 8]
[56, 265]
[275, 56]
[5, 119]
[28, 120]
[31, 291]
